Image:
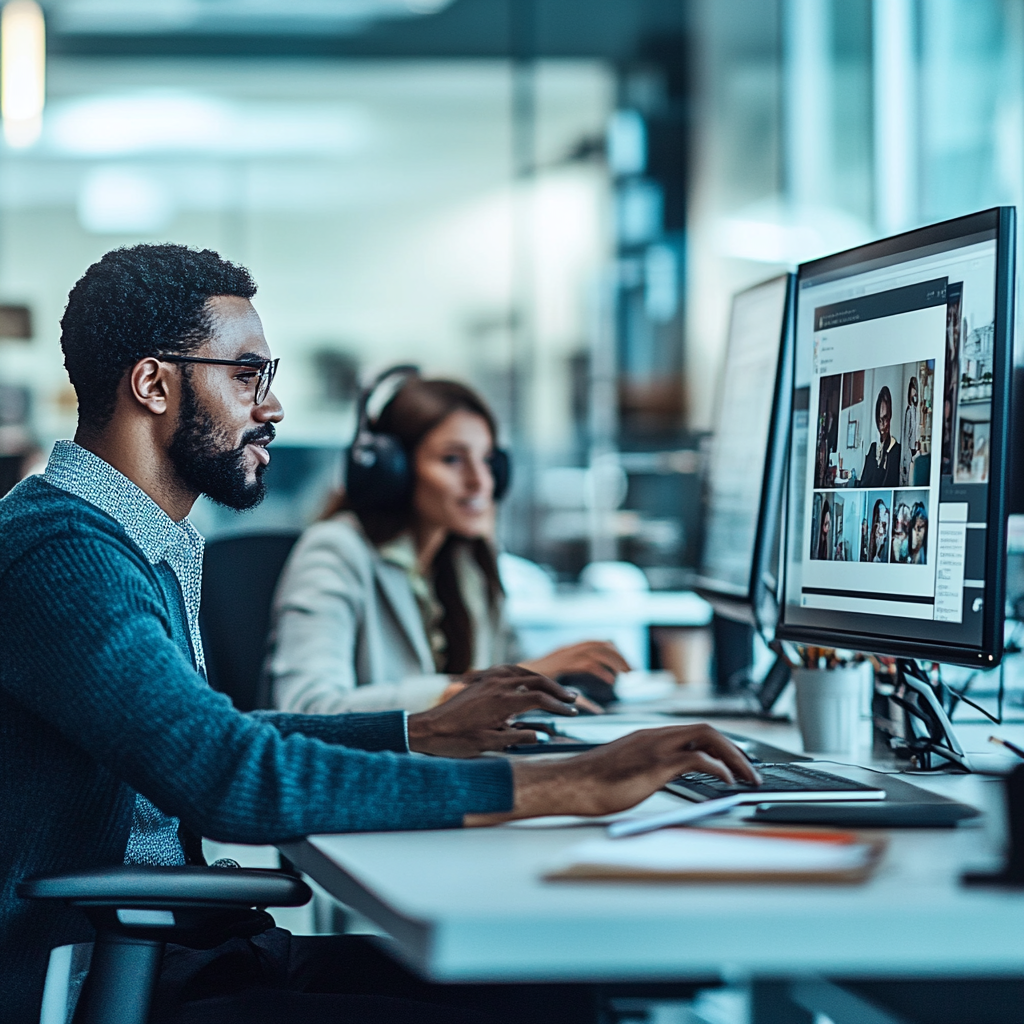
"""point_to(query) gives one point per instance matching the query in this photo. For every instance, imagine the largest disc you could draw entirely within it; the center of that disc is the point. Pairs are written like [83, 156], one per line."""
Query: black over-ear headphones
[378, 477]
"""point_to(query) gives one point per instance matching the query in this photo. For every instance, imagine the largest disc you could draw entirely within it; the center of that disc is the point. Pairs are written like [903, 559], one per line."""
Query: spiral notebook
[722, 855]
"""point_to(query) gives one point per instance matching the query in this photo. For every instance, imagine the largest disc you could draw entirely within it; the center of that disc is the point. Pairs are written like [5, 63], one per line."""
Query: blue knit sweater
[99, 701]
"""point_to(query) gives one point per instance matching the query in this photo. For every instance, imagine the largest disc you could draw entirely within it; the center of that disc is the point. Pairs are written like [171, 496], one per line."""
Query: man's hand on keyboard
[478, 718]
[621, 774]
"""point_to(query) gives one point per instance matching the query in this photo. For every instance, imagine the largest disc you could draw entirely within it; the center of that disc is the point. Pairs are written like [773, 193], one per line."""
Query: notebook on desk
[711, 855]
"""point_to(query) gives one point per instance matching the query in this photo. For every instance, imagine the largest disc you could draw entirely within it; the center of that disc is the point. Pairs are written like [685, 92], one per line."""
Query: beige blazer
[347, 632]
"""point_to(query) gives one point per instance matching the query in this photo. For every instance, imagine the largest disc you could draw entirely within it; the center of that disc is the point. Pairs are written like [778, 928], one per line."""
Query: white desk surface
[595, 609]
[470, 905]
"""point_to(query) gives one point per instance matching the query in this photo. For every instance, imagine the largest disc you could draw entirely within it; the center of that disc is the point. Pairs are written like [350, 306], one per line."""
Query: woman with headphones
[393, 599]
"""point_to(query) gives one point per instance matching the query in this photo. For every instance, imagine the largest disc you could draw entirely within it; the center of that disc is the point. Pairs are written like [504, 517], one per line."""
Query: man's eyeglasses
[265, 370]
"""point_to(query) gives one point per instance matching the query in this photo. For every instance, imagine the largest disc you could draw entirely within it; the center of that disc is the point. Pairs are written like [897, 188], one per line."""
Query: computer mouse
[591, 686]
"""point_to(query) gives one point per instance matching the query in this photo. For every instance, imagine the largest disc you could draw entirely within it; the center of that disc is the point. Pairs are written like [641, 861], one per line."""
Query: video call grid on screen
[737, 466]
[889, 465]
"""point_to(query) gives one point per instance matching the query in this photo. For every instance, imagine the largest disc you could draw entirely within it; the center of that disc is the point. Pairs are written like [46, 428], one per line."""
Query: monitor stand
[928, 732]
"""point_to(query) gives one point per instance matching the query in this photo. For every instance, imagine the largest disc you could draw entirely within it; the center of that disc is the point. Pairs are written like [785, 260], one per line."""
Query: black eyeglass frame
[266, 370]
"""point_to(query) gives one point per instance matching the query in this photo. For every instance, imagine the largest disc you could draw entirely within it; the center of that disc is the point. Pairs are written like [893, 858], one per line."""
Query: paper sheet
[680, 852]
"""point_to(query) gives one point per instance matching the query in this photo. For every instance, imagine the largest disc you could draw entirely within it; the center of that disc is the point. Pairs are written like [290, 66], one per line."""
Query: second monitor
[739, 565]
[746, 468]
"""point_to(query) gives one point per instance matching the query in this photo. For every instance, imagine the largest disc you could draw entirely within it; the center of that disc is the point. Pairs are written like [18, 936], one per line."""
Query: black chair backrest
[10, 471]
[239, 577]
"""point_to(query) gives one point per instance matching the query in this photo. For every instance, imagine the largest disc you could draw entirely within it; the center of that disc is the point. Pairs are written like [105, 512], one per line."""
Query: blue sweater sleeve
[94, 657]
[383, 730]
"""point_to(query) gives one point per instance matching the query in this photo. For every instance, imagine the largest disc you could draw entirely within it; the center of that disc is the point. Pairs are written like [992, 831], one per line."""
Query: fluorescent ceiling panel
[170, 121]
[131, 17]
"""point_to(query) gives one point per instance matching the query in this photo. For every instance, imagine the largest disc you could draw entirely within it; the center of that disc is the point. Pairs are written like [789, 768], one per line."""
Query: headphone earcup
[501, 470]
[377, 477]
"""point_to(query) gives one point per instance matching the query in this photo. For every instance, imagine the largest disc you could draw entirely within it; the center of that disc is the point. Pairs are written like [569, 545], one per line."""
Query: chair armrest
[167, 888]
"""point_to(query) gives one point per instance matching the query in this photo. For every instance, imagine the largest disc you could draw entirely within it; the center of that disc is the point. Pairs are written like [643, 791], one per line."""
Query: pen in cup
[1012, 747]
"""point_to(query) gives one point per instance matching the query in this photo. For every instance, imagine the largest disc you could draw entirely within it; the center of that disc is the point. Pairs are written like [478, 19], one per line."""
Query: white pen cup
[830, 707]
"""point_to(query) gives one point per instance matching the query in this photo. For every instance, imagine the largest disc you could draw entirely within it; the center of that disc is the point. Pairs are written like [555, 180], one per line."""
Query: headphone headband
[383, 390]
[378, 477]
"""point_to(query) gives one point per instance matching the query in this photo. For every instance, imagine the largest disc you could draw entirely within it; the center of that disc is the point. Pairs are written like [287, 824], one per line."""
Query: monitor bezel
[1003, 221]
[758, 606]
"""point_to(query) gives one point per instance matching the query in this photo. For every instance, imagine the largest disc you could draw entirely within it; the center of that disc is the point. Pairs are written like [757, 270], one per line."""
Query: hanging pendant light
[22, 71]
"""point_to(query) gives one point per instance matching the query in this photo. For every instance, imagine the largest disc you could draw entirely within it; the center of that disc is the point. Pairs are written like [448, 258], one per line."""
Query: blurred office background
[552, 199]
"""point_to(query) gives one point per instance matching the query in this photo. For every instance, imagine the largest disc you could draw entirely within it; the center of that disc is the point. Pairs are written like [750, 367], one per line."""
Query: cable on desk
[956, 696]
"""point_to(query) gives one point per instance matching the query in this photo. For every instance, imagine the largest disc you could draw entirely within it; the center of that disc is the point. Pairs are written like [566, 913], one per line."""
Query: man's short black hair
[139, 301]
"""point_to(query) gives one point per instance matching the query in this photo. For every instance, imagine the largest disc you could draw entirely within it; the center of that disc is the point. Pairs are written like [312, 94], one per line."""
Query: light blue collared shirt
[154, 835]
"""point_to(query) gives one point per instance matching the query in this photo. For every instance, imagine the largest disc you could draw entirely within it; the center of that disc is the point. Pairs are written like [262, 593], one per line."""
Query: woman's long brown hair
[417, 408]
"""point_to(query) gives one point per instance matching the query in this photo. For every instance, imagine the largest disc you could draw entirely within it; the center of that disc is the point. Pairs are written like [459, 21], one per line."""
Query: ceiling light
[22, 71]
[166, 121]
[247, 16]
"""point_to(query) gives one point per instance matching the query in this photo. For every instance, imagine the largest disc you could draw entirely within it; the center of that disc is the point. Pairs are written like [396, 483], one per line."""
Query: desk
[596, 609]
[545, 622]
[470, 906]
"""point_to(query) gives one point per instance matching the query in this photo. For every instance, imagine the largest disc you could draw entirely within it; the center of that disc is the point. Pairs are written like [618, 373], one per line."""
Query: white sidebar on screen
[949, 565]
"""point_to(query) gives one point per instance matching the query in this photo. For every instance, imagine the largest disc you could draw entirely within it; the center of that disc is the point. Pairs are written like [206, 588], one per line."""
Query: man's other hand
[479, 717]
[619, 775]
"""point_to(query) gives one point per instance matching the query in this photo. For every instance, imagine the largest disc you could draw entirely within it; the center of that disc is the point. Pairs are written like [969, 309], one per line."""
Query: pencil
[1009, 746]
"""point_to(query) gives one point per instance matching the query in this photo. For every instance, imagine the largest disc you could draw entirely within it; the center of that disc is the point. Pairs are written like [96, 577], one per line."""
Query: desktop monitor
[746, 468]
[894, 537]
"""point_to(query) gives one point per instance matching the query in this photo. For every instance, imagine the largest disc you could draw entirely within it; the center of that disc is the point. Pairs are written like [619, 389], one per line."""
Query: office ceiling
[219, 17]
[287, 136]
[615, 30]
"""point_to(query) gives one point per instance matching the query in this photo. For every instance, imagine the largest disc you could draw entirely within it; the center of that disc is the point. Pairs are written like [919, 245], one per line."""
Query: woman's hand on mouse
[479, 716]
[598, 657]
[583, 704]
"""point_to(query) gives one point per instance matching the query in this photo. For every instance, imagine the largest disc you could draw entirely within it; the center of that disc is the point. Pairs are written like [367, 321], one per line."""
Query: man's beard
[204, 463]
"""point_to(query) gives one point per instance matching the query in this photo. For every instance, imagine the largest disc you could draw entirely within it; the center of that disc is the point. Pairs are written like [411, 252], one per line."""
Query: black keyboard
[781, 782]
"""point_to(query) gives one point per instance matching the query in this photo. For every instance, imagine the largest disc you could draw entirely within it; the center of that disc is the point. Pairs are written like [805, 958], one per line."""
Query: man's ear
[148, 384]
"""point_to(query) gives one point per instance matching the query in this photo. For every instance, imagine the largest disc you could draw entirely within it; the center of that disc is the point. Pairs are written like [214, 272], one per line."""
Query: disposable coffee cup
[830, 705]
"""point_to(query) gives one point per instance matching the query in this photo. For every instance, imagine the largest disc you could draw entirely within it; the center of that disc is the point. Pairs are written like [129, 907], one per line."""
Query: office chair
[11, 467]
[239, 577]
[136, 910]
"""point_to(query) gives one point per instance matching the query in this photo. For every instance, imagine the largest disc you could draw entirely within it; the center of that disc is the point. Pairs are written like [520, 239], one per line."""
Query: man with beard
[114, 749]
